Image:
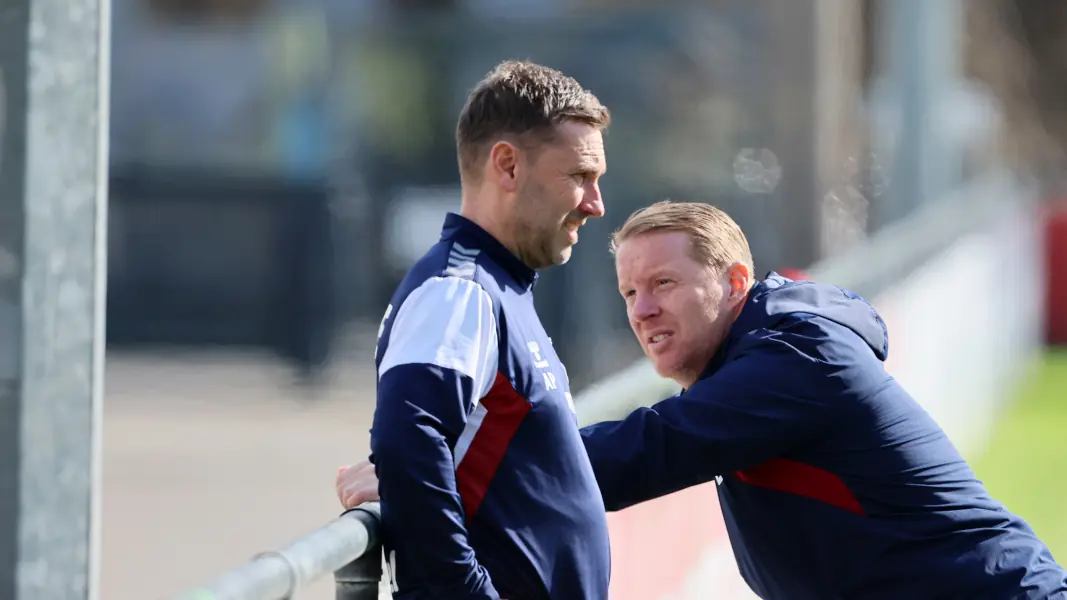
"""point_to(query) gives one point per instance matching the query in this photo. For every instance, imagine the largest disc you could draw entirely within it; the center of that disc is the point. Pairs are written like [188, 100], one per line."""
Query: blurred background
[277, 165]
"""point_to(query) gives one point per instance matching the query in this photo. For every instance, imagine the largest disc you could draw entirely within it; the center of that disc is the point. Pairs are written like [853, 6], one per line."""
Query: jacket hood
[777, 297]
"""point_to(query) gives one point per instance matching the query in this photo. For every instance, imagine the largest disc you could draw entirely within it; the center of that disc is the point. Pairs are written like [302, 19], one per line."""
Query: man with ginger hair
[833, 481]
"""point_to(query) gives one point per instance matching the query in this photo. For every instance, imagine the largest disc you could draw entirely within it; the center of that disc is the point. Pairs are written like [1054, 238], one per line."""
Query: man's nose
[645, 307]
[593, 203]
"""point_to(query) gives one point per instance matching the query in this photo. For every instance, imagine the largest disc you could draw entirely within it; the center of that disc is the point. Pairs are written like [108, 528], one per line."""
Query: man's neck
[736, 311]
[688, 379]
[480, 212]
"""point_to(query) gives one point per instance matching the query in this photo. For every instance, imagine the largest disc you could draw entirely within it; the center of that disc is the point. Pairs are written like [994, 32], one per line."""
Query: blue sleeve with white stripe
[441, 358]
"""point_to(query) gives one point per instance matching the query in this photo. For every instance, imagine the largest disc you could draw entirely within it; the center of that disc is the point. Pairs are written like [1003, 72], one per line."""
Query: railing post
[359, 579]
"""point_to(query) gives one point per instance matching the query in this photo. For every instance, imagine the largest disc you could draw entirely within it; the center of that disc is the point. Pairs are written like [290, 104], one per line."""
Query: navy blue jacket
[833, 481]
[486, 489]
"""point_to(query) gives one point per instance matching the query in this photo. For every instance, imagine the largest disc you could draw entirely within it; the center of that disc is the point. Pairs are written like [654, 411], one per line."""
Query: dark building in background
[275, 164]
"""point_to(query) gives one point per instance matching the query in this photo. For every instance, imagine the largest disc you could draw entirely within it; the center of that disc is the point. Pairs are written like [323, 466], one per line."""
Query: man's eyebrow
[591, 166]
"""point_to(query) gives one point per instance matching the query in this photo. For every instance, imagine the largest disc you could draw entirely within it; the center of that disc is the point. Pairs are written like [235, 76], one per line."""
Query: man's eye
[663, 281]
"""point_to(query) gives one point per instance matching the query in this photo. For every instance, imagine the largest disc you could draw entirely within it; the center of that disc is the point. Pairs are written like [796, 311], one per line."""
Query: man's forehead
[592, 154]
[581, 141]
[587, 160]
[654, 250]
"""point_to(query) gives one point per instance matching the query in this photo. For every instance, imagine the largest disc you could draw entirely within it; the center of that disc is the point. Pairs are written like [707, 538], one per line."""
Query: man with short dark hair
[486, 489]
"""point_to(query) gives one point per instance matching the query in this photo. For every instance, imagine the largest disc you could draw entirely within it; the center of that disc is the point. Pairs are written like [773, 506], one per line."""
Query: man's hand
[357, 484]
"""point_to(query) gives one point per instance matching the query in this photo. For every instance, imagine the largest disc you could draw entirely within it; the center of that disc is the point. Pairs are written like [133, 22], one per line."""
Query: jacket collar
[470, 234]
[748, 319]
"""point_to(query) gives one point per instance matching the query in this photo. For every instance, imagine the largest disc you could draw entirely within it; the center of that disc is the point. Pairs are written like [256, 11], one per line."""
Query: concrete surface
[211, 458]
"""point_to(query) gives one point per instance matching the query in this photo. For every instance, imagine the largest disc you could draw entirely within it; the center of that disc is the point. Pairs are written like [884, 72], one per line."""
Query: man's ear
[503, 165]
[740, 280]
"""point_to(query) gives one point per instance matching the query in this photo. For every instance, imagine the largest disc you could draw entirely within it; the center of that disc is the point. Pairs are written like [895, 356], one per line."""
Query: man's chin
[663, 368]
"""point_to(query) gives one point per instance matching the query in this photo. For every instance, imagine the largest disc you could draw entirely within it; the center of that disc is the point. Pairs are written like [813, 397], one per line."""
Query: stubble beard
[537, 247]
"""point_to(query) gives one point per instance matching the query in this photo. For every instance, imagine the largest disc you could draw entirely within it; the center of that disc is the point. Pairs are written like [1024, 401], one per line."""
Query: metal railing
[348, 547]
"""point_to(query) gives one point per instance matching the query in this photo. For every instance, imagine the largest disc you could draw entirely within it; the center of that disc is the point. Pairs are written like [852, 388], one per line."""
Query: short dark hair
[523, 101]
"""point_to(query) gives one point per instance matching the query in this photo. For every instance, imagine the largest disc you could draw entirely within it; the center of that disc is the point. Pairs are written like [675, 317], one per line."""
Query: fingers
[356, 484]
[352, 500]
[339, 484]
[355, 497]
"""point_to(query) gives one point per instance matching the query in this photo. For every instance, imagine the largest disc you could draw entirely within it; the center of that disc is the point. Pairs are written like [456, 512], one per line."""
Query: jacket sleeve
[441, 358]
[771, 397]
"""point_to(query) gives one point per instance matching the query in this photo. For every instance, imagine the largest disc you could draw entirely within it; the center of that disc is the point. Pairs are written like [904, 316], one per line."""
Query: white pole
[53, 210]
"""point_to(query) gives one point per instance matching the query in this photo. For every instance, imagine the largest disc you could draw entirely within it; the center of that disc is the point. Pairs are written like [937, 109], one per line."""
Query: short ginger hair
[717, 240]
[522, 102]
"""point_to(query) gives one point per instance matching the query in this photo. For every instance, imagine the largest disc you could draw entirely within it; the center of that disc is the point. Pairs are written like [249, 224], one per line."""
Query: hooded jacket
[833, 481]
